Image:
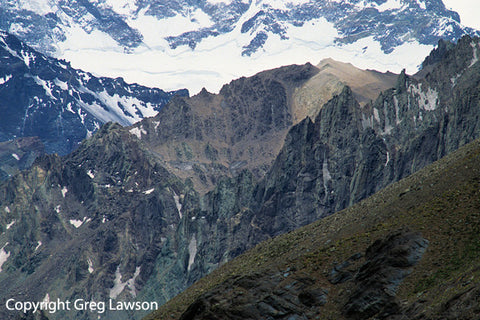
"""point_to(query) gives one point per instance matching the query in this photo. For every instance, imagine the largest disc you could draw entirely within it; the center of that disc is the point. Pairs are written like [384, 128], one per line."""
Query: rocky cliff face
[137, 231]
[90, 225]
[350, 152]
[288, 294]
[209, 136]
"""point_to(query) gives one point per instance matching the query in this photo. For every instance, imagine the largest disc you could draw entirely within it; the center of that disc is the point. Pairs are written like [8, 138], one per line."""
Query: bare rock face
[388, 262]
[260, 296]
[94, 221]
[277, 296]
[209, 136]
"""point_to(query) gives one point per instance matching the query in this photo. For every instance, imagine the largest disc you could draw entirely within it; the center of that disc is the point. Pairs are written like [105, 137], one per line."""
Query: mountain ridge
[45, 97]
[255, 35]
[113, 197]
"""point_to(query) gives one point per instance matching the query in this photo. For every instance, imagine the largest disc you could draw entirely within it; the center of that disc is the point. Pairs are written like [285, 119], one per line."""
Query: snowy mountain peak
[45, 97]
[187, 43]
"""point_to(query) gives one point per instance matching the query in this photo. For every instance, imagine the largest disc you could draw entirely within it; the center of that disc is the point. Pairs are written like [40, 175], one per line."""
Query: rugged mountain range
[111, 221]
[47, 98]
[265, 19]
[178, 37]
[411, 251]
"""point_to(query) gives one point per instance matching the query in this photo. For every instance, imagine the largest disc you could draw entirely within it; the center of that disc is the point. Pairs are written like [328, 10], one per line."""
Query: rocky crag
[209, 136]
[139, 232]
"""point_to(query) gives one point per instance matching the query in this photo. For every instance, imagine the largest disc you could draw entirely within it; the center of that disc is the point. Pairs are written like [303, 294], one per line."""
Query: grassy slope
[442, 201]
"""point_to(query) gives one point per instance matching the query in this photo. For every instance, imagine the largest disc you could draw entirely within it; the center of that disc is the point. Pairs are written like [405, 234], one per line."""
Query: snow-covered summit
[206, 43]
[45, 97]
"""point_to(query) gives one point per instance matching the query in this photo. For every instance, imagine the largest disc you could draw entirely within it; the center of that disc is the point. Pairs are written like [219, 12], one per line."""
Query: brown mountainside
[333, 75]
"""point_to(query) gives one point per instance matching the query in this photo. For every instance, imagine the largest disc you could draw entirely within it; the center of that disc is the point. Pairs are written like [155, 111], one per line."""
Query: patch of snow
[40, 7]
[119, 286]
[154, 31]
[192, 252]
[18, 29]
[57, 209]
[217, 60]
[475, 54]
[138, 132]
[227, 2]
[69, 108]
[11, 224]
[113, 113]
[376, 114]
[149, 191]
[82, 116]
[28, 57]
[131, 282]
[284, 5]
[78, 223]
[16, 156]
[427, 100]
[90, 266]
[123, 7]
[390, 5]
[7, 209]
[39, 243]
[90, 174]
[5, 79]
[421, 4]
[3, 256]
[132, 105]
[61, 84]
[64, 191]
[46, 85]
[176, 198]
